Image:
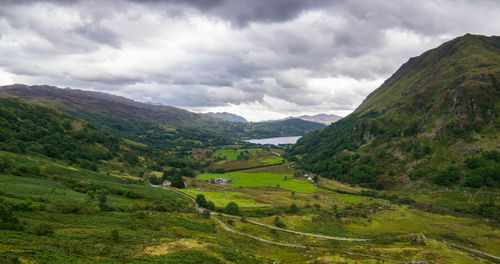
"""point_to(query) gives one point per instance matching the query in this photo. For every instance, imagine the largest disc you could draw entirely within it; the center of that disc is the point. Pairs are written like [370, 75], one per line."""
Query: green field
[232, 154]
[242, 179]
[298, 186]
[270, 160]
[220, 199]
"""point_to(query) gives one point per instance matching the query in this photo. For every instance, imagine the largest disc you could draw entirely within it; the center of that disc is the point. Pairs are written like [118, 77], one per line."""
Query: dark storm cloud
[240, 12]
[282, 54]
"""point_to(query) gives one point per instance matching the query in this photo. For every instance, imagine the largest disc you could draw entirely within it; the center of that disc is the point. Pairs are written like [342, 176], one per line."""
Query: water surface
[275, 140]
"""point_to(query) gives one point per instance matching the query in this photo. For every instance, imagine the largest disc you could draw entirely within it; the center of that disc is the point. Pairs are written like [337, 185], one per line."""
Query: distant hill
[96, 102]
[434, 121]
[157, 126]
[228, 117]
[320, 118]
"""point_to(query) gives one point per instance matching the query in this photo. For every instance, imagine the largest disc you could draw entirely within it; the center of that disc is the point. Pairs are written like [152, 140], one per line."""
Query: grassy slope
[221, 199]
[232, 154]
[148, 235]
[161, 127]
[437, 110]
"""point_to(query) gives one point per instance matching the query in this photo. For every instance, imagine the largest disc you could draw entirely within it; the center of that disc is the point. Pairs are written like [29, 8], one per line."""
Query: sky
[261, 59]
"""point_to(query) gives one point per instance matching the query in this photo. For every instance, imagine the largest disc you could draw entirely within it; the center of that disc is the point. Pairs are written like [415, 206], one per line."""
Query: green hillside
[435, 121]
[158, 126]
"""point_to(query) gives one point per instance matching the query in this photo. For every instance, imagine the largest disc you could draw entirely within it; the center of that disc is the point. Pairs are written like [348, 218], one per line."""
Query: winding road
[200, 209]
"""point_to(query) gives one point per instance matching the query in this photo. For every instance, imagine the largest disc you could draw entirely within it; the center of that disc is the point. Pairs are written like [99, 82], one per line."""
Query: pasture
[221, 199]
[232, 154]
[282, 180]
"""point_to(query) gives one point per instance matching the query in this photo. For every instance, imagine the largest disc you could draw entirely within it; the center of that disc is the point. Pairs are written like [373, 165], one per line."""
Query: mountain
[97, 102]
[158, 126]
[434, 121]
[326, 119]
[228, 117]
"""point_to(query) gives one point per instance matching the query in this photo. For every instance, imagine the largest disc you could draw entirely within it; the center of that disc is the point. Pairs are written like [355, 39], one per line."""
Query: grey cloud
[273, 48]
[240, 12]
[99, 34]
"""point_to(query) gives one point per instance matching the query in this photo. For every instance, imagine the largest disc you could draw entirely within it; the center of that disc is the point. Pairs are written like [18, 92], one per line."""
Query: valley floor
[283, 218]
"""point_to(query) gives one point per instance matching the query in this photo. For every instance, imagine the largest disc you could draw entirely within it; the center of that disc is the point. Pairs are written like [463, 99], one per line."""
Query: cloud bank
[261, 59]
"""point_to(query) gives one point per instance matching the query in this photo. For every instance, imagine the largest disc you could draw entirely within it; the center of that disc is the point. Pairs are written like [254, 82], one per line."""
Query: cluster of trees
[243, 155]
[7, 218]
[480, 170]
[488, 209]
[448, 177]
[201, 201]
[354, 169]
[483, 169]
[174, 176]
[231, 208]
[26, 128]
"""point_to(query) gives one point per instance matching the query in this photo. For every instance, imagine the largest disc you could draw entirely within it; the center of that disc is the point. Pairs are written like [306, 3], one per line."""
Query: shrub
[232, 209]
[7, 218]
[293, 209]
[490, 212]
[5, 163]
[101, 197]
[65, 207]
[448, 176]
[474, 181]
[210, 205]
[75, 247]
[418, 173]
[115, 235]
[42, 229]
[206, 214]
[201, 201]
[277, 222]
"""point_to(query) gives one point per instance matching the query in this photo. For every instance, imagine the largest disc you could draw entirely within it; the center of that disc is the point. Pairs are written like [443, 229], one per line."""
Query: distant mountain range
[325, 119]
[320, 118]
[228, 117]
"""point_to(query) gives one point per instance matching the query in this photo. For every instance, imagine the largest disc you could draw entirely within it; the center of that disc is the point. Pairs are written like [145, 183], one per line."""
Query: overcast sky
[262, 59]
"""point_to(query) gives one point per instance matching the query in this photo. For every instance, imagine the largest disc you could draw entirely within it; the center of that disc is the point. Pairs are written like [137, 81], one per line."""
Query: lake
[275, 140]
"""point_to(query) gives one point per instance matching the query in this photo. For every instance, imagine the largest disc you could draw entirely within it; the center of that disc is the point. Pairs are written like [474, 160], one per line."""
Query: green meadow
[221, 199]
[282, 180]
[232, 154]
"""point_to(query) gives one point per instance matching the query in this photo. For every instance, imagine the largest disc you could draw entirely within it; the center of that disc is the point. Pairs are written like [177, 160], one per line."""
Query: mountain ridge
[326, 119]
[421, 126]
[158, 126]
[228, 117]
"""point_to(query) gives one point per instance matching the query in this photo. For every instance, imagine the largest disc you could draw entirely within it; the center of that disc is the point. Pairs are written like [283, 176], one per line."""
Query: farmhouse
[222, 180]
[166, 183]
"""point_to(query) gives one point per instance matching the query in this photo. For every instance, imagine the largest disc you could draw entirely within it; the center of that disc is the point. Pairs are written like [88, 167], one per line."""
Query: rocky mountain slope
[435, 121]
